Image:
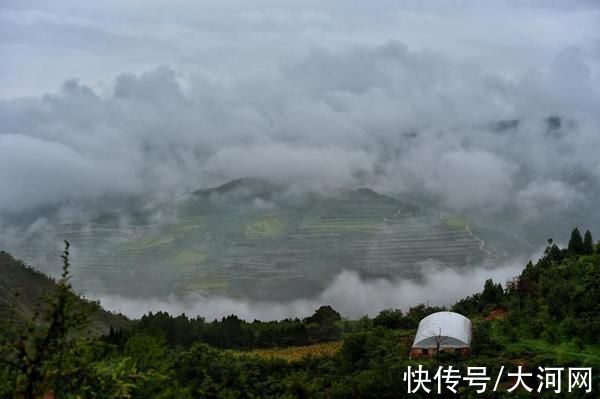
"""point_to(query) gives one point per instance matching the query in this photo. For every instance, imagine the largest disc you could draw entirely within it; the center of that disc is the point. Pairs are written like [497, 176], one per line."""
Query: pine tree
[492, 293]
[576, 242]
[588, 243]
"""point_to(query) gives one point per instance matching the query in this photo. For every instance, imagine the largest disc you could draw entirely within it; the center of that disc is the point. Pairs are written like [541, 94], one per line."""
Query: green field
[266, 227]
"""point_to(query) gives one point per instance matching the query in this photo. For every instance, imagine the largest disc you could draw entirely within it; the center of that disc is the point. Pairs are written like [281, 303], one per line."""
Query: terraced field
[252, 239]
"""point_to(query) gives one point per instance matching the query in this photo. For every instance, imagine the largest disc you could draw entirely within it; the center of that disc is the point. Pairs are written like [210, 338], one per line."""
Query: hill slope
[253, 239]
[22, 288]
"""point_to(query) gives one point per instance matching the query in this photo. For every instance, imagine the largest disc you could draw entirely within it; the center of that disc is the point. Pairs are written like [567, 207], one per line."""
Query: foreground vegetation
[296, 353]
[549, 315]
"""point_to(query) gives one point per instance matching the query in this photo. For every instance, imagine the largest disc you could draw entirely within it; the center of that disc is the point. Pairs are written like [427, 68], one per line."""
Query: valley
[253, 239]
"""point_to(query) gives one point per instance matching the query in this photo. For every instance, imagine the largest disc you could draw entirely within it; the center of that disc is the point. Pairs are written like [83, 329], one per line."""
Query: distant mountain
[251, 238]
[22, 288]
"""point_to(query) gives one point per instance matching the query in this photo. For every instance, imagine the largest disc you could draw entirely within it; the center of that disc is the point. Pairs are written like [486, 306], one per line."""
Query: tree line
[554, 301]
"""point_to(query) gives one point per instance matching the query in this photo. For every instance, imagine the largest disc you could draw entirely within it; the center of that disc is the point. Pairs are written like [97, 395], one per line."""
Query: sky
[103, 100]
[400, 96]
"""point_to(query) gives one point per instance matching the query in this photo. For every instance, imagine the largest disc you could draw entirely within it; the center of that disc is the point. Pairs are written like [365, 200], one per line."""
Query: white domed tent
[446, 331]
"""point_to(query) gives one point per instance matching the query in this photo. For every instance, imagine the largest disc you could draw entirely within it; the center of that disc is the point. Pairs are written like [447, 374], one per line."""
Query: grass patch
[455, 222]
[268, 227]
[187, 257]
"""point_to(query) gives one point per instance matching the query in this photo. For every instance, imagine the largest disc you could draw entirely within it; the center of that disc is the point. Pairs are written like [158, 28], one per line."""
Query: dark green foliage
[22, 288]
[37, 348]
[210, 373]
[52, 351]
[233, 333]
[471, 305]
[576, 242]
[558, 297]
[492, 293]
[416, 313]
[390, 318]
[327, 331]
[483, 342]
[553, 254]
[117, 337]
[323, 326]
[17, 279]
[323, 315]
[588, 243]
[553, 302]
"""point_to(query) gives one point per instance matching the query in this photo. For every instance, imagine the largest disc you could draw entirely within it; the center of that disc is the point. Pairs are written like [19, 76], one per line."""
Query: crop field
[206, 284]
[296, 353]
[187, 257]
[268, 227]
[217, 241]
[455, 222]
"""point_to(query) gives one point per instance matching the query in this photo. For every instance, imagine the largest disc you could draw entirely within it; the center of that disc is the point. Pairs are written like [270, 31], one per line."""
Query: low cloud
[348, 293]
[154, 102]
[538, 197]
[36, 172]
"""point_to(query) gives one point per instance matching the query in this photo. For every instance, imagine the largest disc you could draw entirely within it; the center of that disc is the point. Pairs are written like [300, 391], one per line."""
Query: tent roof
[453, 328]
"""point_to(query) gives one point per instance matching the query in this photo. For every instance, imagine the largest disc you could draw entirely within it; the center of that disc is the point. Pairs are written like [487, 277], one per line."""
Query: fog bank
[350, 295]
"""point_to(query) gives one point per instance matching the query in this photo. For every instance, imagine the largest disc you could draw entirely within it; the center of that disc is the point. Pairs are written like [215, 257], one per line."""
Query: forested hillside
[23, 291]
[547, 316]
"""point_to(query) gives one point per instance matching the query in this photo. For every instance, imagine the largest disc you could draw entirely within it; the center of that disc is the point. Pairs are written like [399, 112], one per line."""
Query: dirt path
[481, 242]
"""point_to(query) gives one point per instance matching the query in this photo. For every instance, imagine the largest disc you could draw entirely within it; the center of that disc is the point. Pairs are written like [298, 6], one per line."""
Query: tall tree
[588, 243]
[492, 293]
[576, 242]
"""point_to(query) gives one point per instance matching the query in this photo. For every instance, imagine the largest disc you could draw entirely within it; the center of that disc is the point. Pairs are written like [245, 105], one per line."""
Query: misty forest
[299, 199]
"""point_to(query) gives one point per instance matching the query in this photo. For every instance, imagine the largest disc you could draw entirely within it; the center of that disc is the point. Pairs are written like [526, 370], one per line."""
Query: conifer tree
[576, 242]
[588, 243]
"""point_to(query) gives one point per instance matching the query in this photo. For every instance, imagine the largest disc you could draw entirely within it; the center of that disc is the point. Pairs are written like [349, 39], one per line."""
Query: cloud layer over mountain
[112, 100]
